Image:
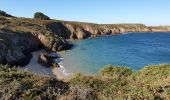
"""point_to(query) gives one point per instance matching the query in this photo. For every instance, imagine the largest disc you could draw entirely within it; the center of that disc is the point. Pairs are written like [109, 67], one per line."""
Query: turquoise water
[134, 50]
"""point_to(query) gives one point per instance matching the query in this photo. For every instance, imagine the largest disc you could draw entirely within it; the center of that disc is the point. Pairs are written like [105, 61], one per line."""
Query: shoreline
[59, 73]
[34, 67]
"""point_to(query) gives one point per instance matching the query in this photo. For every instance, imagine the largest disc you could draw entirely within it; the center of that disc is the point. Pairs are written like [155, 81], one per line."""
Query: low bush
[115, 71]
[149, 83]
[117, 83]
[19, 84]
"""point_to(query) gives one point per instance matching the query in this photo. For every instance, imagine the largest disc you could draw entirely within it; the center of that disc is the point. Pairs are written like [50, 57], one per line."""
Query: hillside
[118, 83]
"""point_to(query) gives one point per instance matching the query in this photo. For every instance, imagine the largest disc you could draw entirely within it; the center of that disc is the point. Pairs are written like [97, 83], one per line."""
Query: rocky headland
[21, 36]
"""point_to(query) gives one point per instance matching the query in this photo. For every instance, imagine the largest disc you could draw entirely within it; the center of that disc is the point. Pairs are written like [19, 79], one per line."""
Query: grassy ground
[118, 83]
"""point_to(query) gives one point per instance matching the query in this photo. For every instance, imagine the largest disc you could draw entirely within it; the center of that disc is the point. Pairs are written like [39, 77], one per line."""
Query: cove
[134, 50]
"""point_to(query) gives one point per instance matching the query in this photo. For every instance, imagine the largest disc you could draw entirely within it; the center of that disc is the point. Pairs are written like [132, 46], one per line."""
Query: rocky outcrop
[44, 59]
[53, 42]
[58, 28]
[16, 48]
[47, 59]
[17, 42]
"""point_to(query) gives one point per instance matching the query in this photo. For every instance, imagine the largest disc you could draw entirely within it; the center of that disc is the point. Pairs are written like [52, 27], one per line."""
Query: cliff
[77, 30]
[20, 36]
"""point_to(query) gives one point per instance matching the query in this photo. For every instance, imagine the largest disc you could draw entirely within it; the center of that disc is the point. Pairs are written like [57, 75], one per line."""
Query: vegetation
[117, 72]
[39, 15]
[118, 83]
[18, 84]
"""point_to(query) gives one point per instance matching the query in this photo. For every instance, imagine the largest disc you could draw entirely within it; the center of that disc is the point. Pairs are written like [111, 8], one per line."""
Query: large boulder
[48, 59]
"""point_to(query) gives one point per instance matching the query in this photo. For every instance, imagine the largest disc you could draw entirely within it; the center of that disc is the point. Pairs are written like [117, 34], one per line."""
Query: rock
[78, 30]
[44, 59]
[53, 42]
[107, 31]
[16, 47]
[48, 59]
[59, 29]
[122, 30]
[81, 34]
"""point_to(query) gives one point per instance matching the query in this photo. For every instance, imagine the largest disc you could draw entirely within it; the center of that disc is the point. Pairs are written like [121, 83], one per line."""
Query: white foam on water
[61, 66]
[35, 67]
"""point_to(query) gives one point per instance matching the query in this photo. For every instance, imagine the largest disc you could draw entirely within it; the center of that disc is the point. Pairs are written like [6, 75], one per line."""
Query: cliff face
[18, 38]
[16, 47]
[77, 30]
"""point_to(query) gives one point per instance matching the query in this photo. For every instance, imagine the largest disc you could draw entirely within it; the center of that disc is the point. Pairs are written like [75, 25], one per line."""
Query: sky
[149, 12]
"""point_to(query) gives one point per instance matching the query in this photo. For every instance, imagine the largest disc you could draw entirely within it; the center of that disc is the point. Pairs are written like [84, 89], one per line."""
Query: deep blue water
[134, 50]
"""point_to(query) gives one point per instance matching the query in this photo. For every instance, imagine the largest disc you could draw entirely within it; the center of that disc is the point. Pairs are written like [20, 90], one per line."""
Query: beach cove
[133, 50]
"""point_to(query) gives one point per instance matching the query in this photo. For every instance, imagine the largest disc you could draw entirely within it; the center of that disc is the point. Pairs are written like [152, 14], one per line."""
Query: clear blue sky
[150, 12]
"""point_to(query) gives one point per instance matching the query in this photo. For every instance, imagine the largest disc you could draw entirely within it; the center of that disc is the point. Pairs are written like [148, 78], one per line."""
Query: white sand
[35, 67]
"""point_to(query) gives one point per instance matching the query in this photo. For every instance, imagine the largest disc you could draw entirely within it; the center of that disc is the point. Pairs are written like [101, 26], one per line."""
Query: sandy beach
[35, 67]
[61, 76]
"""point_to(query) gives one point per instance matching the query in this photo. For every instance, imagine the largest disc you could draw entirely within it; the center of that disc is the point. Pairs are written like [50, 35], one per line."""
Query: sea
[133, 50]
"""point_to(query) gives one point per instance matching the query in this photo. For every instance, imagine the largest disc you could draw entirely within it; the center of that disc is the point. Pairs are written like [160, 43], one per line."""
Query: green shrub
[21, 84]
[115, 72]
[151, 82]
[150, 74]
[84, 81]
[39, 15]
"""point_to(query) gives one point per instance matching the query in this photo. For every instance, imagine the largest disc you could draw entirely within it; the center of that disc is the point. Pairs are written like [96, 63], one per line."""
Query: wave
[61, 66]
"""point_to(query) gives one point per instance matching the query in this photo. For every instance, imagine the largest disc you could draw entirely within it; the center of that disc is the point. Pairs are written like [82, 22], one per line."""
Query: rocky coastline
[21, 36]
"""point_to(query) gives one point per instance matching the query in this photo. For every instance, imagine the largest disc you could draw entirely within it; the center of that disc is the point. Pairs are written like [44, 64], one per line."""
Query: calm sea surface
[134, 50]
